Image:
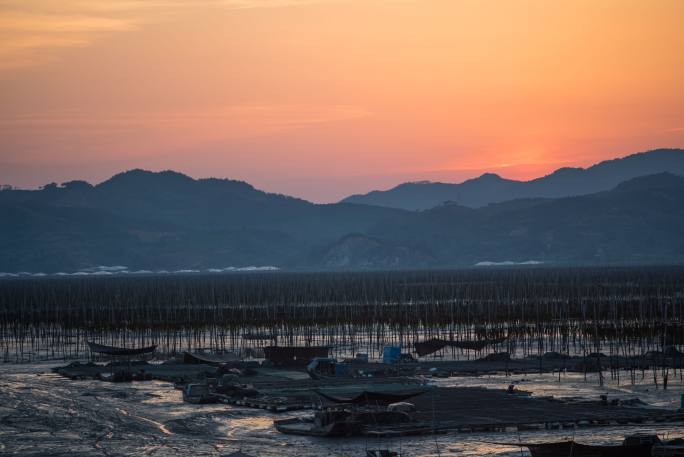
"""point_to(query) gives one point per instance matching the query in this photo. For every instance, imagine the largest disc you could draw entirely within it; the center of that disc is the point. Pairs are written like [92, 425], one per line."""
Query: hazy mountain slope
[490, 188]
[638, 221]
[168, 221]
[359, 251]
[51, 239]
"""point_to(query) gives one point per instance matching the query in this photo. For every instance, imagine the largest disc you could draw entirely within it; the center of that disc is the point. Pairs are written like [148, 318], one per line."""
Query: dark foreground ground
[42, 413]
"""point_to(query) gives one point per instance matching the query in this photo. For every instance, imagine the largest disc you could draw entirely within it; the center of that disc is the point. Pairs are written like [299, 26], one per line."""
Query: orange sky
[321, 99]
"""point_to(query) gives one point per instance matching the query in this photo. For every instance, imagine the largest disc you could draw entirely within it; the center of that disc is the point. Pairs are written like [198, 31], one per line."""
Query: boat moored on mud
[639, 445]
[96, 348]
[324, 423]
[198, 394]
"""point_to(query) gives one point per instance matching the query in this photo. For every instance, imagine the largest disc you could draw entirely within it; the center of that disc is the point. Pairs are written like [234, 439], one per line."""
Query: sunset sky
[322, 99]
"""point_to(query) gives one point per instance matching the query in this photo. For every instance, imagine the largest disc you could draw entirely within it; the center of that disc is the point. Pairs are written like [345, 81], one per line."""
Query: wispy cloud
[33, 31]
[269, 3]
[271, 115]
[207, 124]
[49, 23]
[31, 36]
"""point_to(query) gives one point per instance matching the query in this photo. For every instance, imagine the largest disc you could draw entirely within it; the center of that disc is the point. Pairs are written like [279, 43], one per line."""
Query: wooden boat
[118, 351]
[572, 449]
[344, 421]
[229, 385]
[294, 355]
[435, 344]
[198, 394]
[116, 376]
[633, 446]
[209, 359]
[322, 368]
[674, 448]
[384, 394]
[323, 424]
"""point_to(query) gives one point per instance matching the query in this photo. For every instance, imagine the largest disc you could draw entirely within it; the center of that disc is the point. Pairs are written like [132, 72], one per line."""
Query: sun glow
[326, 98]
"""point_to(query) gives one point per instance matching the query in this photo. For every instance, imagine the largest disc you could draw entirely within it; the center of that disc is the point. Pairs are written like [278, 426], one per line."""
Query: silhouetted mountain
[637, 222]
[491, 188]
[146, 220]
[166, 220]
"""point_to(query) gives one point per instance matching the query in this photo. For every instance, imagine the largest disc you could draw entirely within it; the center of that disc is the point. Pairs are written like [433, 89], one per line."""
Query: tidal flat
[589, 355]
[43, 413]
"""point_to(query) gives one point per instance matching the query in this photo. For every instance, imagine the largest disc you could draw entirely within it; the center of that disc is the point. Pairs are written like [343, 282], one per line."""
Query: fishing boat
[198, 394]
[639, 445]
[322, 424]
[322, 368]
[433, 345]
[673, 448]
[119, 351]
[383, 394]
[344, 420]
[294, 355]
[229, 385]
[209, 359]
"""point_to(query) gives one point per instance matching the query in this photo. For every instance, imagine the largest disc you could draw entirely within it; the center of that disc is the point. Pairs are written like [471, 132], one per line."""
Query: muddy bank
[42, 413]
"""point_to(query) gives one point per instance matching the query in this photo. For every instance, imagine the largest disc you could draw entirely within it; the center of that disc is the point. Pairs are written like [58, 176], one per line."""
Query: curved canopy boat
[381, 394]
[639, 445]
[324, 423]
[433, 345]
[294, 355]
[113, 350]
[209, 359]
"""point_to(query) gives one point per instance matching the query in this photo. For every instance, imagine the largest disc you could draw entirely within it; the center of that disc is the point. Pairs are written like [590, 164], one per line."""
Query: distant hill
[166, 220]
[358, 251]
[141, 220]
[640, 221]
[491, 188]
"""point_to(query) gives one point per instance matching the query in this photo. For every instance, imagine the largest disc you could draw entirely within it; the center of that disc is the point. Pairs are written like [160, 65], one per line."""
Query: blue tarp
[391, 354]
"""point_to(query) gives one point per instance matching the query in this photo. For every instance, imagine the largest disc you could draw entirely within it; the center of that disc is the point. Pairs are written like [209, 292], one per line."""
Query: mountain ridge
[168, 221]
[492, 188]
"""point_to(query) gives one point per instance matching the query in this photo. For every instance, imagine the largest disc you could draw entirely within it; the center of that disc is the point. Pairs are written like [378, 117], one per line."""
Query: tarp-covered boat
[572, 449]
[435, 344]
[324, 423]
[113, 350]
[383, 395]
[198, 394]
[638, 445]
[294, 355]
[668, 450]
[209, 359]
[341, 422]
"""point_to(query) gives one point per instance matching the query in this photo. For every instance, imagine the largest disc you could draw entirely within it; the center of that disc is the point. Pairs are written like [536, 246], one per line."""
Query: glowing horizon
[321, 99]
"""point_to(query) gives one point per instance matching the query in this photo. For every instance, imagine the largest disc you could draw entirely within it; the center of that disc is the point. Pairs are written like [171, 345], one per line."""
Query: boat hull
[117, 351]
[202, 400]
[308, 428]
[668, 451]
[572, 449]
